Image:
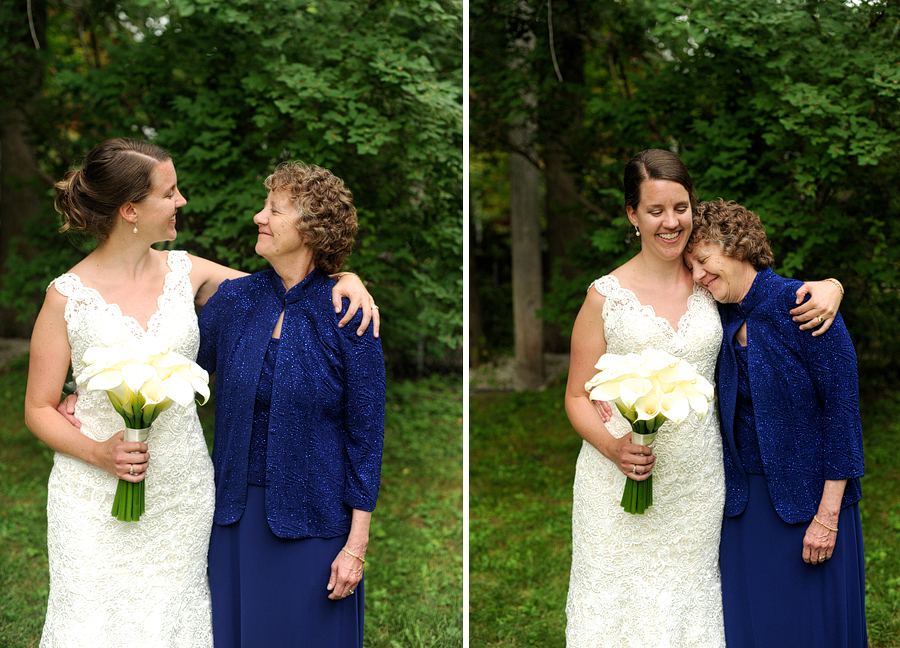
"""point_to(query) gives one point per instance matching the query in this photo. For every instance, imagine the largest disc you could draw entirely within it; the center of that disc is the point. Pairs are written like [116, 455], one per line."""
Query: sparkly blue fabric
[805, 398]
[744, 419]
[326, 423]
[259, 435]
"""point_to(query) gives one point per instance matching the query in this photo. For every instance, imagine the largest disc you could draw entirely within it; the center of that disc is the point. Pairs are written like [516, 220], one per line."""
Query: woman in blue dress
[791, 552]
[298, 471]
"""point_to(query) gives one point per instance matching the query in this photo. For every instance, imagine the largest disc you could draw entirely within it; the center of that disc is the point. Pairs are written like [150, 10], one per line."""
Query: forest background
[790, 107]
[370, 90]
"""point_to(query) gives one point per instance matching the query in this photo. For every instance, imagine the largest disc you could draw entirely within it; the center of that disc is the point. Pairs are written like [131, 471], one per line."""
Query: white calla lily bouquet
[142, 383]
[648, 389]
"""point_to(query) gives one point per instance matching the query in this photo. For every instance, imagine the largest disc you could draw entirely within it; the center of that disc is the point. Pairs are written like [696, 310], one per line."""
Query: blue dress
[292, 462]
[770, 596]
[250, 566]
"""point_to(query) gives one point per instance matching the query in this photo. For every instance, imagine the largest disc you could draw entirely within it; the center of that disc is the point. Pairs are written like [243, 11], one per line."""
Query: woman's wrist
[831, 528]
[838, 284]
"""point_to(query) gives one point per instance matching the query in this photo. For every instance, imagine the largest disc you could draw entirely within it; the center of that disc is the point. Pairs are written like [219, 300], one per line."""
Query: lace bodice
[131, 584]
[651, 579]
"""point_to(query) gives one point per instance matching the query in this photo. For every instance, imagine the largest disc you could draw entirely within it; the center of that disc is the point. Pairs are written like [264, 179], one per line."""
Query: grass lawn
[414, 568]
[522, 464]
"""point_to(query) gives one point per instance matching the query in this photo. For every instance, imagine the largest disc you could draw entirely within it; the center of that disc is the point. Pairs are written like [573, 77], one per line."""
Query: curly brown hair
[736, 229]
[326, 217]
[115, 172]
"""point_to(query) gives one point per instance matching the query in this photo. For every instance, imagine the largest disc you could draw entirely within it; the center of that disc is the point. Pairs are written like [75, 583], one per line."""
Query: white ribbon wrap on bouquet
[132, 434]
[638, 439]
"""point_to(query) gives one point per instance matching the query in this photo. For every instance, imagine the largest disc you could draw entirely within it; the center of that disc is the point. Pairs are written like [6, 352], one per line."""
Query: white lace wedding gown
[131, 584]
[652, 580]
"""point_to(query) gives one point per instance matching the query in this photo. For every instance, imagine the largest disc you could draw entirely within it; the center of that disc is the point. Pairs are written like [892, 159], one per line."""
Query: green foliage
[372, 92]
[414, 564]
[522, 465]
[791, 108]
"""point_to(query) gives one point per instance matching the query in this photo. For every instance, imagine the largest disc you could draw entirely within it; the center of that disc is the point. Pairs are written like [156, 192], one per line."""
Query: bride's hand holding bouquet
[141, 384]
[648, 390]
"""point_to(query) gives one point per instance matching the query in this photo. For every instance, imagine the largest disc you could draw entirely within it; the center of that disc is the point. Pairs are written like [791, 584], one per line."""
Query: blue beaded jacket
[805, 393]
[326, 423]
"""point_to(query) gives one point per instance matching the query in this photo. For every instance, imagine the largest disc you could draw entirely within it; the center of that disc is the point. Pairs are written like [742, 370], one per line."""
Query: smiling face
[278, 236]
[727, 278]
[156, 212]
[663, 217]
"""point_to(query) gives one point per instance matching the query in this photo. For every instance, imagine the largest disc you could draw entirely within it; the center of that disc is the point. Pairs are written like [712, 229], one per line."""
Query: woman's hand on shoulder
[206, 276]
[817, 312]
[351, 286]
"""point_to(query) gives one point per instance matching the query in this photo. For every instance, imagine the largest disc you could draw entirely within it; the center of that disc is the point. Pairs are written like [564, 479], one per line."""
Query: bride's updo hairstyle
[656, 164]
[115, 172]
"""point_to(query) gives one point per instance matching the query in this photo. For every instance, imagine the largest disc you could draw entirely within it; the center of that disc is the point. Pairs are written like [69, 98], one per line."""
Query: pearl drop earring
[637, 232]
[135, 226]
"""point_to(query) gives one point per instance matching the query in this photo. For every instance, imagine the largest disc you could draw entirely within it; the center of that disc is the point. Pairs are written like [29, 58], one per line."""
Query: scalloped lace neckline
[114, 307]
[683, 321]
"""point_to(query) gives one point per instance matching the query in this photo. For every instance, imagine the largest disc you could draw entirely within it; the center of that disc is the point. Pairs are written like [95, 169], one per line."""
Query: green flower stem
[638, 495]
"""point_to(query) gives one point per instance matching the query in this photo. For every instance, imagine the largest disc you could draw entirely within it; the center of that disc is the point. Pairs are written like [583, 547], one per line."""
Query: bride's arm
[588, 344]
[47, 369]
[206, 276]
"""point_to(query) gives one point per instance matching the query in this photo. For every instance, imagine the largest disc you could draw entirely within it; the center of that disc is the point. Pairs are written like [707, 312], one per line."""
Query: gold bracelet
[823, 524]
[363, 560]
[838, 284]
[341, 275]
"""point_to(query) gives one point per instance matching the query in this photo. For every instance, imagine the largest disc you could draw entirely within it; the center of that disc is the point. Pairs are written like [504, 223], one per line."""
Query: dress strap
[69, 285]
[609, 286]
[179, 262]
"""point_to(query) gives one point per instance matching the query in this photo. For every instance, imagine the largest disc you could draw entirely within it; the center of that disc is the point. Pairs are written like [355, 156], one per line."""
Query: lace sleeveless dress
[652, 580]
[131, 584]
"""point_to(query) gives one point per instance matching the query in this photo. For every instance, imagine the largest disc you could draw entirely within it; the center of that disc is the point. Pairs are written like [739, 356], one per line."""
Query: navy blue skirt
[268, 591]
[771, 597]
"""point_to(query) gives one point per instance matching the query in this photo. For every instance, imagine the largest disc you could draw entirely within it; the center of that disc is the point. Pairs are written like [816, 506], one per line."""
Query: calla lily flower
[632, 389]
[179, 390]
[135, 375]
[156, 400]
[679, 372]
[654, 361]
[674, 406]
[699, 401]
[648, 407]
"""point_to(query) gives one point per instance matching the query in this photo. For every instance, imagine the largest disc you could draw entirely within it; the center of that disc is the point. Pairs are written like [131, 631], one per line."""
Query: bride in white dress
[129, 584]
[650, 579]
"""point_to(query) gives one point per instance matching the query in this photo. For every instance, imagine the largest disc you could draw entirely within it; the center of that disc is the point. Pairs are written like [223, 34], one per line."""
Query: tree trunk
[561, 134]
[565, 224]
[20, 179]
[477, 335]
[525, 226]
